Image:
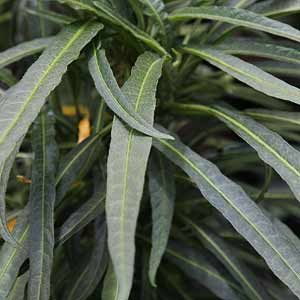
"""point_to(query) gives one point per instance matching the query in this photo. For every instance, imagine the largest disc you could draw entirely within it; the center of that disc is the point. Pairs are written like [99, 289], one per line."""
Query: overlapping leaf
[237, 16]
[226, 255]
[22, 50]
[162, 194]
[12, 257]
[42, 199]
[126, 167]
[248, 73]
[260, 48]
[244, 215]
[197, 266]
[117, 100]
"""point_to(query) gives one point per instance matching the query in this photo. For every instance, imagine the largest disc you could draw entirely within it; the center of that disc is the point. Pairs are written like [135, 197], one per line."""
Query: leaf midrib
[196, 169]
[225, 257]
[236, 21]
[41, 80]
[125, 182]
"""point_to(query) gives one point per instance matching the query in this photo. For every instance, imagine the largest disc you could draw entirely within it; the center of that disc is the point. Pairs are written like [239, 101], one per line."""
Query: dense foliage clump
[149, 149]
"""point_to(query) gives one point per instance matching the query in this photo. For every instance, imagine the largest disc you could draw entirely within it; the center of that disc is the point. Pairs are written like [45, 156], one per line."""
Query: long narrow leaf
[12, 257]
[118, 102]
[110, 285]
[263, 48]
[238, 17]
[42, 198]
[248, 73]
[21, 104]
[162, 194]
[126, 167]
[245, 216]
[22, 50]
[93, 271]
[198, 267]
[18, 290]
[226, 255]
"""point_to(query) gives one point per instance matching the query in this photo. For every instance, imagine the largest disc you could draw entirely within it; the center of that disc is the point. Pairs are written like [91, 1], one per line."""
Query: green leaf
[276, 8]
[239, 3]
[244, 215]
[18, 290]
[7, 77]
[292, 118]
[4, 176]
[117, 100]
[93, 271]
[162, 195]
[248, 73]
[263, 48]
[12, 257]
[22, 50]
[49, 15]
[156, 9]
[42, 198]
[22, 103]
[195, 264]
[226, 255]
[281, 69]
[83, 215]
[110, 285]
[237, 16]
[126, 167]
[71, 165]
[112, 17]
[271, 147]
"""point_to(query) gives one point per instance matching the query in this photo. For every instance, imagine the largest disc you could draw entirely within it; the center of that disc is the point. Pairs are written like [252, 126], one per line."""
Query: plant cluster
[149, 149]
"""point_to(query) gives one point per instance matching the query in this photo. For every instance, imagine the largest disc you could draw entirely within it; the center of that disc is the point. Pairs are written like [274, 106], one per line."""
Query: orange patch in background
[70, 110]
[84, 129]
[11, 224]
[23, 179]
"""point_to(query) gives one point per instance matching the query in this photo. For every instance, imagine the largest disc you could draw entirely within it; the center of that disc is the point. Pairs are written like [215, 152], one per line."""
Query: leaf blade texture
[249, 74]
[162, 196]
[244, 215]
[237, 16]
[23, 50]
[118, 102]
[126, 167]
[42, 199]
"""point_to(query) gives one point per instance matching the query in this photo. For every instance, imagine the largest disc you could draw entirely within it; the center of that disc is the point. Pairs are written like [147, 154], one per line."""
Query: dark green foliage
[151, 151]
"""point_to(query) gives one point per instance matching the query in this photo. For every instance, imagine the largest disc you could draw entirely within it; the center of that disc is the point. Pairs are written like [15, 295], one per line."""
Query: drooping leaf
[248, 73]
[226, 255]
[71, 165]
[244, 215]
[18, 290]
[117, 100]
[84, 215]
[162, 194]
[194, 263]
[12, 257]
[22, 50]
[279, 68]
[110, 285]
[126, 167]
[275, 8]
[271, 147]
[292, 118]
[93, 271]
[156, 9]
[42, 199]
[237, 16]
[260, 48]
[103, 11]
[4, 176]
[21, 103]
